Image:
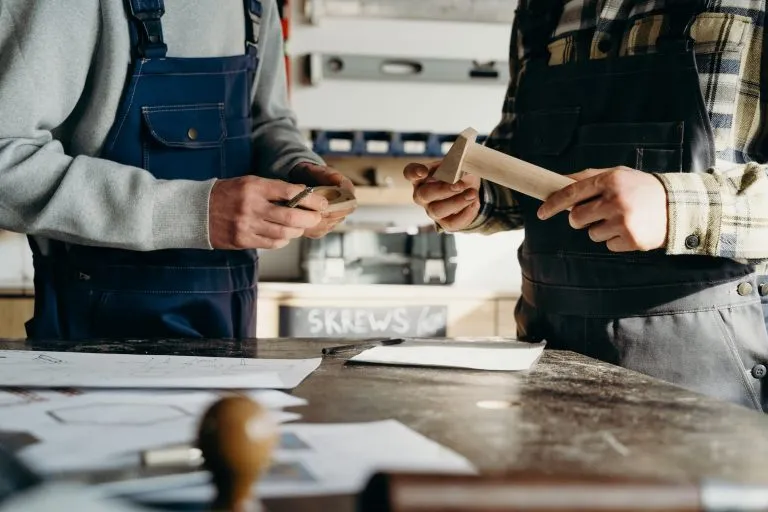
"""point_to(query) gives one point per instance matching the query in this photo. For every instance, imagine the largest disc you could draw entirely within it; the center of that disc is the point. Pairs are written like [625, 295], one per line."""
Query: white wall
[484, 261]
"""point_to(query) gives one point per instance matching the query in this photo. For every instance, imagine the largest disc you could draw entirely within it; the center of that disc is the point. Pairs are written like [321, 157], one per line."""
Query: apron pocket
[606, 145]
[710, 352]
[184, 141]
[659, 160]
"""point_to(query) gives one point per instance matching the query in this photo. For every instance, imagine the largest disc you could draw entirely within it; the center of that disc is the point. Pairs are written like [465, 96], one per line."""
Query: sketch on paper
[65, 369]
[100, 413]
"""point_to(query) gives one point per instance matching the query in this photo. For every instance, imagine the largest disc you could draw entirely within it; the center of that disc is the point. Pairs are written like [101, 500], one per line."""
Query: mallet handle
[512, 172]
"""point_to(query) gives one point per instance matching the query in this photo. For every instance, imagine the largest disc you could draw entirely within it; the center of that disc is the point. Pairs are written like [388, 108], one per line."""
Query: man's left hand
[316, 175]
[625, 208]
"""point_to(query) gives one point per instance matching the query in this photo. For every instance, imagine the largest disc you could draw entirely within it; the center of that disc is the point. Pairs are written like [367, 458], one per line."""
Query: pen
[350, 348]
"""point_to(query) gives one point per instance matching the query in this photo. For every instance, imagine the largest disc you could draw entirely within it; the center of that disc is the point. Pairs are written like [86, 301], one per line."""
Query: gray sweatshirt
[63, 65]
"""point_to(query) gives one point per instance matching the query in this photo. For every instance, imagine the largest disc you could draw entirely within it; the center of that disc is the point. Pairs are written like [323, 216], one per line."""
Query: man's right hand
[242, 213]
[452, 206]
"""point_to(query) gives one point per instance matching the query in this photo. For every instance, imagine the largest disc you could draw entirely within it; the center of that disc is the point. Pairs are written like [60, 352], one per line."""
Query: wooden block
[467, 156]
[339, 199]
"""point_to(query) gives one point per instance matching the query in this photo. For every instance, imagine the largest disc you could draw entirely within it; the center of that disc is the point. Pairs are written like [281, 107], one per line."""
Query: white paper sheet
[63, 496]
[479, 354]
[318, 459]
[107, 429]
[68, 369]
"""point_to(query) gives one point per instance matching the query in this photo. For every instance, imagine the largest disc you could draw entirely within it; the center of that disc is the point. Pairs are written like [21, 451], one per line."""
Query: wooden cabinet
[14, 312]
[369, 310]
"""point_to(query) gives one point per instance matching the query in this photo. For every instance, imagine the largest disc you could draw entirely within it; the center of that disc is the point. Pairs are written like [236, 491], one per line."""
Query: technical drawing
[290, 441]
[18, 396]
[118, 414]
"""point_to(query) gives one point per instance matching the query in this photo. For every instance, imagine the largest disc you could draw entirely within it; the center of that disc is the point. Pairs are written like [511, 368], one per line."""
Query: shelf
[383, 171]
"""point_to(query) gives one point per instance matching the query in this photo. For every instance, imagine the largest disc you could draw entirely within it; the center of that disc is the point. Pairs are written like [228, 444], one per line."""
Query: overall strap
[253, 10]
[147, 29]
[537, 21]
[681, 15]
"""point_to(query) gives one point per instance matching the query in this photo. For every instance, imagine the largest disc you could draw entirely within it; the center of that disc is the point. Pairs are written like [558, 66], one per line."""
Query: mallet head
[450, 168]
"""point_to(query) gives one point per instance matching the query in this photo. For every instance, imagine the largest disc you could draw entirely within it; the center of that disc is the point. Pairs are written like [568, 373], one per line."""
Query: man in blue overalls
[146, 153]
[652, 259]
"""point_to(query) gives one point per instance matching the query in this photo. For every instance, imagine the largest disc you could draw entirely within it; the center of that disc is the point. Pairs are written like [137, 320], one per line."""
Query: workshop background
[375, 84]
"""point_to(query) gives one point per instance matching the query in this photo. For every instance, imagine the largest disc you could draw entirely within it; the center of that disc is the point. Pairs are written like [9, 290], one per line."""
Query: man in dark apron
[180, 118]
[597, 280]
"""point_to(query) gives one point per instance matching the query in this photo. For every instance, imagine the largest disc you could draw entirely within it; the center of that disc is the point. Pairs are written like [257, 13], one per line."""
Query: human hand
[243, 213]
[623, 207]
[316, 175]
[452, 205]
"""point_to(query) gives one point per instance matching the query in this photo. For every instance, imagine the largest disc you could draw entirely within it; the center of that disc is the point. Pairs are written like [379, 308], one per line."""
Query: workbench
[569, 413]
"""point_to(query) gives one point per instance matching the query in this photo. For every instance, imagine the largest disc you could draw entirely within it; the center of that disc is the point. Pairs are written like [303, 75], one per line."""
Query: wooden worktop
[570, 413]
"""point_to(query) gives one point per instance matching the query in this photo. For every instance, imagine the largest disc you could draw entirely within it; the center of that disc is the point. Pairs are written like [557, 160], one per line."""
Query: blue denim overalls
[179, 118]
[691, 320]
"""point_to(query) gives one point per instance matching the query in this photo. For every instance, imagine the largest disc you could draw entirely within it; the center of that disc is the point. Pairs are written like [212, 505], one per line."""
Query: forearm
[48, 193]
[278, 148]
[278, 145]
[499, 211]
[723, 213]
[90, 201]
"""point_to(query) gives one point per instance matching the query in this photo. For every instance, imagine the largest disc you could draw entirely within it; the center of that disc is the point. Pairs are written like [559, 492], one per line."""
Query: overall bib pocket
[184, 141]
[651, 147]
[544, 136]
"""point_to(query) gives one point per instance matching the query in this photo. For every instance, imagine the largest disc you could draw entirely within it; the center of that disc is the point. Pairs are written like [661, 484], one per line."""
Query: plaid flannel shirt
[726, 207]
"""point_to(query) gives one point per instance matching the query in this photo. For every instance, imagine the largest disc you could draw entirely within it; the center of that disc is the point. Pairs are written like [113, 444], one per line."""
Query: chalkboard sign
[363, 322]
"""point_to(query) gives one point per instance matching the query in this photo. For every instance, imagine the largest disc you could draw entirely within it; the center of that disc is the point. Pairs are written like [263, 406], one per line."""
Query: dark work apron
[690, 320]
[179, 118]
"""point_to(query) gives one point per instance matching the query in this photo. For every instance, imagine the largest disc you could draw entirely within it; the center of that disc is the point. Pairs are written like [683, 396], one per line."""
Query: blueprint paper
[323, 459]
[506, 355]
[64, 496]
[67, 369]
[73, 430]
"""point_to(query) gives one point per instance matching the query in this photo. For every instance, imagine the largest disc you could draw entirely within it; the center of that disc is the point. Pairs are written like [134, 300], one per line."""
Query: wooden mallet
[467, 156]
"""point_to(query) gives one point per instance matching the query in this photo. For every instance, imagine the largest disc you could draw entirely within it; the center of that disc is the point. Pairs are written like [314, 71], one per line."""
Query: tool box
[370, 257]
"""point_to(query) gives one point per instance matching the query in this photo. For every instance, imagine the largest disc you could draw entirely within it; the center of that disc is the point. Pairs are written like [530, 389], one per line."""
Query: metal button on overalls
[179, 118]
[690, 320]
[744, 289]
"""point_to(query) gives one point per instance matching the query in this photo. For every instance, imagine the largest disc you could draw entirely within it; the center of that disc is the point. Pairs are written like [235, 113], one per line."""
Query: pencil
[292, 203]
[328, 351]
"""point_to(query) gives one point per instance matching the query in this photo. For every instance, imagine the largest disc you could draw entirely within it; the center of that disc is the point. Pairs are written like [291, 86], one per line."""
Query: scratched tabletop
[569, 413]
